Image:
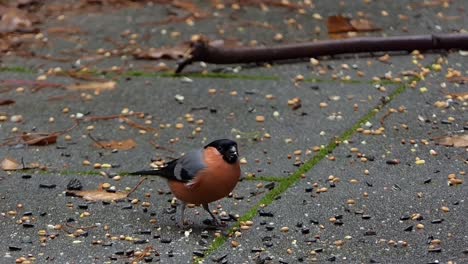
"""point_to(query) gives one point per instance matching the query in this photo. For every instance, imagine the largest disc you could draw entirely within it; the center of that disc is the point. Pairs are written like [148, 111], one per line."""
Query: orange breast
[212, 184]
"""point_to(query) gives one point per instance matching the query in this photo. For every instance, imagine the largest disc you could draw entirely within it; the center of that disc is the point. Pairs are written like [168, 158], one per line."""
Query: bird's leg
[215, 220]
[181, 220]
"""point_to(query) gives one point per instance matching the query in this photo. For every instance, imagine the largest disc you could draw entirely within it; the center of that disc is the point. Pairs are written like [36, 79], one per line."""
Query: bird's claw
[214, 222]
[184, 223]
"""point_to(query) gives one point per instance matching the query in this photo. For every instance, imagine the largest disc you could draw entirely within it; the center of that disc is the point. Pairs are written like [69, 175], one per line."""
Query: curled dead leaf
[14, 19]
[6, 101]
[103, 195]
[96, 86]
[113, 144]
[458, 79]
[363, 25]
[39, 139]
[65, 31]
[190, 7]
[10, 164]
[385, 58]
[98, 195]
[340, 24]
[458, 141]
[460, 96]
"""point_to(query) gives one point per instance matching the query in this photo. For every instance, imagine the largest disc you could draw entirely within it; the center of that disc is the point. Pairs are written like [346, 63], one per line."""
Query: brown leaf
[102, 195]
[98, 195]
[190, 7]
[429, 3]
[96, 86]
[65, 30]
[6, 101]
[14, 19]
[460, 96]
[169, 53]
[385, 58]
[4, 45]
[9, 164]
[340, 24]
[121, 145]
[458, 141]
[363, 25]
[39, 139]
[458, 79]
[26, 2]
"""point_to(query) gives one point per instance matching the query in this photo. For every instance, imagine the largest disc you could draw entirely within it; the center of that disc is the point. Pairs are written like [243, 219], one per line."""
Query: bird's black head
[227, 148]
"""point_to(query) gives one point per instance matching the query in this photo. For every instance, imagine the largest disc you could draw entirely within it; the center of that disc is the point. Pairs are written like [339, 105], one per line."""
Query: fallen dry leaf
[103, 195]
[121, 145]
[340, 24]
[14, 19]
[65, 31]
[98, 195]
[385, 58]
[4, 45]
[459, 79]
[458, 141]
[9, 164]
[190, 7]
[6, 101]
[169, 53]
[429, 3]
[363, 25]
[96, 86]
[460, 96]
[40, 139]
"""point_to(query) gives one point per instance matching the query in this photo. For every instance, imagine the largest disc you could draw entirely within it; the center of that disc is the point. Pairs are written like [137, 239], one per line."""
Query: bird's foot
[184, 223]
[214, 222]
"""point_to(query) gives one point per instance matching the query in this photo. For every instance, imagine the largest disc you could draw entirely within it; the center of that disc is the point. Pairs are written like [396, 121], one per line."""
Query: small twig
[22, 163]
[34, 136]
[72, 97]
[385, 116]
[161, 147]
[202, 51]
[143, 254]
[110, 117]
[35, 84]
[138, 126]
[136, 187]
[96, 141]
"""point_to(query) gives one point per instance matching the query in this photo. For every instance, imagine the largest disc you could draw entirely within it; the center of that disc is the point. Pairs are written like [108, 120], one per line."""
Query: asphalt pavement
[344, 159]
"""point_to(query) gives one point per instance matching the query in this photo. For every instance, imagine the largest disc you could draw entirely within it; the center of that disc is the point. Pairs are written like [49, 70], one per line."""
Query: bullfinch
[202, 176]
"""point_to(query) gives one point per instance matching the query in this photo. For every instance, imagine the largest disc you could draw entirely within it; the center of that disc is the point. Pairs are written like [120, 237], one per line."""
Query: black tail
[146, 172]
[165, 172]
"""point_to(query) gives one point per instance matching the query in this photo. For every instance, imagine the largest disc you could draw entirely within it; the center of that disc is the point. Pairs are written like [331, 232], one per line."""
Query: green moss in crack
[17, 70]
